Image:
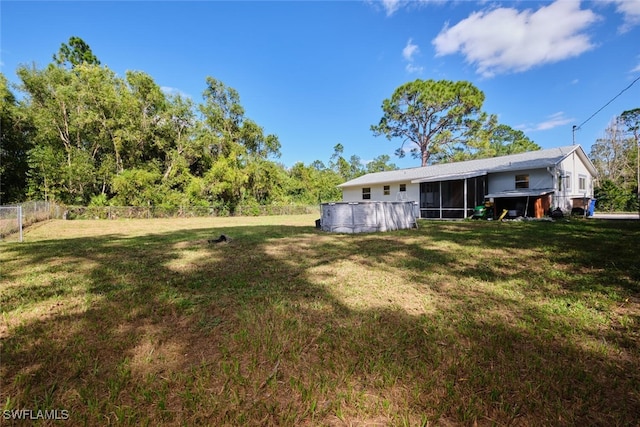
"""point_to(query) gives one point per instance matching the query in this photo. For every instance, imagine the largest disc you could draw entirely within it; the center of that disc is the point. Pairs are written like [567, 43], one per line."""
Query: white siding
[572, 169]
[542, 168]
[578, 169]
[506, 181]
[351, 194]
[354, 194]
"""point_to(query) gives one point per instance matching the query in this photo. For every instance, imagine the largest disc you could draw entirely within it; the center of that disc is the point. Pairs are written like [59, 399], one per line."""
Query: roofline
[450, 177]
[344, 184]
[587, 161]
[576, 148]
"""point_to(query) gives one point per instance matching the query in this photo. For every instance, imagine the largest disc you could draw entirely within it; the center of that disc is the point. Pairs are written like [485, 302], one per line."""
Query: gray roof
[514, 162]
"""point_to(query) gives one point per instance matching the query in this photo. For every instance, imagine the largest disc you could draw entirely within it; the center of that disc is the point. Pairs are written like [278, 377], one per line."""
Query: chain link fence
[139, 212]
[14, 218]
[32, 212]
[10, 220]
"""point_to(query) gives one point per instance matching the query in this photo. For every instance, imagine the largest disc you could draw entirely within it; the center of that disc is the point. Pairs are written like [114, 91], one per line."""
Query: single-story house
[527, 184]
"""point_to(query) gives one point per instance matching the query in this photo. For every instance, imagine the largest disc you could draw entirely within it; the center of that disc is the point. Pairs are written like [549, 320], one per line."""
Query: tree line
[616, 156]
[81, 135]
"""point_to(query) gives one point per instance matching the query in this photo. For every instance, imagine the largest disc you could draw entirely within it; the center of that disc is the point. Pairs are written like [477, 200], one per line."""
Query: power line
[605, 105]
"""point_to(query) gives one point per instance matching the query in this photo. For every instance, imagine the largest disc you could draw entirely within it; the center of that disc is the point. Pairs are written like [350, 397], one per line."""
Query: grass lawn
[143, 322]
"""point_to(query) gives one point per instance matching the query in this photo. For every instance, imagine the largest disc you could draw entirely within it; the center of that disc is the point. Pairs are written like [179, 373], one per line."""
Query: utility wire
[605, 105]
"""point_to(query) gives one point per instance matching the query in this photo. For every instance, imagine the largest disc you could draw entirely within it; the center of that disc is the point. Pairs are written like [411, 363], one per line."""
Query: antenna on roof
[574, 134]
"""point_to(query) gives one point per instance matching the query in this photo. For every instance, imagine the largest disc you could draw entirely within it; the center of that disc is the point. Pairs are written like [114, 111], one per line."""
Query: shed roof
[449, 171]
[528, 192]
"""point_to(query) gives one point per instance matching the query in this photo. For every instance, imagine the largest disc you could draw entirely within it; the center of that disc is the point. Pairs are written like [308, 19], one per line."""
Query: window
[582, 182]
[403, 187]
[387, 190]
[430, 195]
[452, 193]
[522, 181]
[564, 181]
[560, 179]
[366, 193]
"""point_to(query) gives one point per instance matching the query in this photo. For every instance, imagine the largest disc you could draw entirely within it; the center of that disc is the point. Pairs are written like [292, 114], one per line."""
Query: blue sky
[315, 73]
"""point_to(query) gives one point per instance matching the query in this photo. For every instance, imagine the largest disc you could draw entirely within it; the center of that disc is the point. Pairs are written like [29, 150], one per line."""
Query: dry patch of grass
[144, 322]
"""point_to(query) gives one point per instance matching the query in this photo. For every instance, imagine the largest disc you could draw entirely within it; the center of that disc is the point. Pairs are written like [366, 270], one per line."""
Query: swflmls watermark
[31, 414]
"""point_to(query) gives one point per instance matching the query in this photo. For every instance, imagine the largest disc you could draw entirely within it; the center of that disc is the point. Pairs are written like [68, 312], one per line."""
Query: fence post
[20, 220]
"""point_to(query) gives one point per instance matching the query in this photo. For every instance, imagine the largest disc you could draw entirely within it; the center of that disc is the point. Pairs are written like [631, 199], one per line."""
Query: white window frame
[582, 182]
[366, 193]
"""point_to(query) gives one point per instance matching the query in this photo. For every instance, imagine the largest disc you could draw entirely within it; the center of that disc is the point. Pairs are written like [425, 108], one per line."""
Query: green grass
[142, 322]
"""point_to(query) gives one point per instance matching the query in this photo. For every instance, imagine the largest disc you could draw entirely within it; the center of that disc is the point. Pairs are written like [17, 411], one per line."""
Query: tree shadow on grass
[601, 254]
[288, 325]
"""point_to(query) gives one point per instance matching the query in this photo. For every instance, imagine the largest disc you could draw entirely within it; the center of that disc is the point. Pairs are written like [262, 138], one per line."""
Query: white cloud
[390, 6]
[553, 121]
[408, 53]
[414, 69]
[409, 50]
[637, 67]
[174, 91]
[630, 10]
[504, 40]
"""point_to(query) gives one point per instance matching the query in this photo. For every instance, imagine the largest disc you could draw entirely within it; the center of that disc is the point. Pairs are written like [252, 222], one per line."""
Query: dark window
[366, 193]
[560, 183]
[403, 187]
[476, 191]
[430, 195]
[452, 194]
[387, 190]
[522, 181]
